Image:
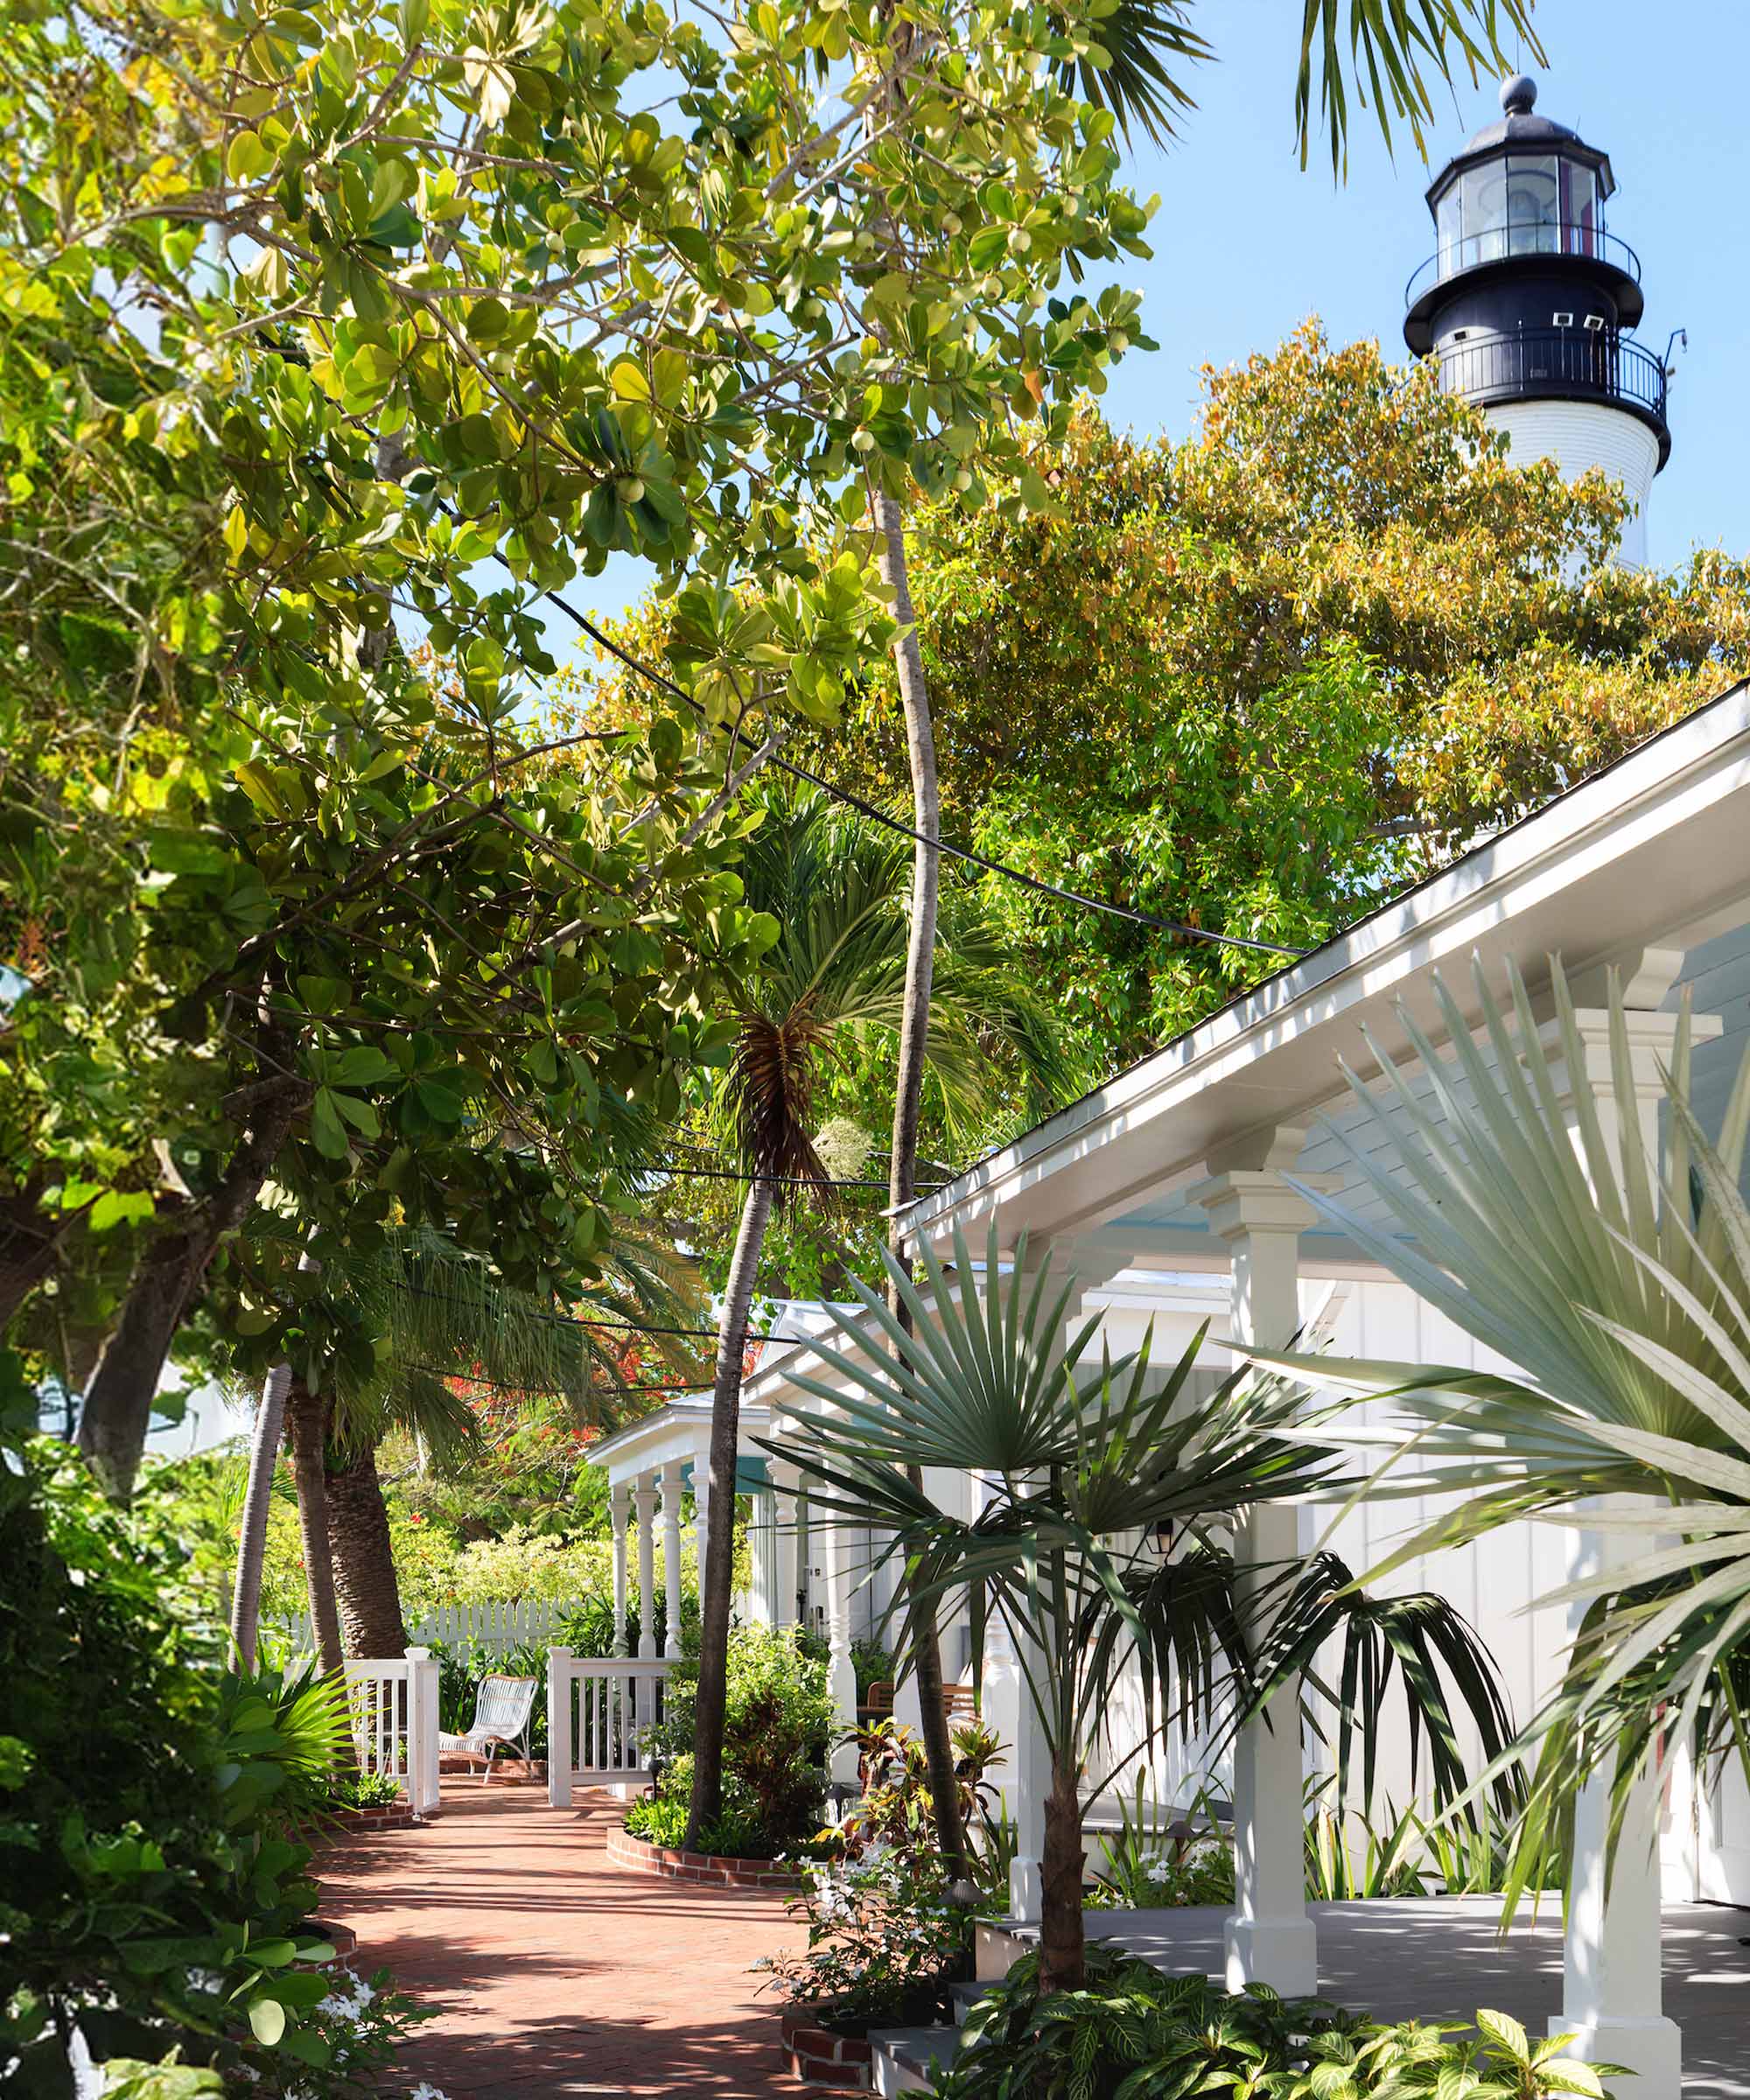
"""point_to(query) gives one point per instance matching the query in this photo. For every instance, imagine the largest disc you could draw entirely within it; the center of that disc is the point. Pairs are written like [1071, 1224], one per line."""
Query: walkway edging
[713, 1870]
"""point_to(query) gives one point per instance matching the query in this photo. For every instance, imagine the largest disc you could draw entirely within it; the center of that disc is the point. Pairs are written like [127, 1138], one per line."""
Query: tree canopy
[1256, 680]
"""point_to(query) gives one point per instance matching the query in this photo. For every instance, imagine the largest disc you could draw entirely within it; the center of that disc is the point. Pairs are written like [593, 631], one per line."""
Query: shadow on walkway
[550, 1971]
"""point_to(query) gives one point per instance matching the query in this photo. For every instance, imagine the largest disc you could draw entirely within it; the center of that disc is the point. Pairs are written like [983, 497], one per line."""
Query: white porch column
[784, 1479]
[835, 1553]
[1613, 1996]
[702, 1490]
[618, 1504]
[1270, 1937]
[671, 1555]
[644, 1496]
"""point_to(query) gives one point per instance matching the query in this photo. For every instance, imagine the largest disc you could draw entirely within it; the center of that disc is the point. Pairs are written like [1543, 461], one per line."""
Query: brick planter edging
[841, 2063]
[382, 1816]
[626, 1848]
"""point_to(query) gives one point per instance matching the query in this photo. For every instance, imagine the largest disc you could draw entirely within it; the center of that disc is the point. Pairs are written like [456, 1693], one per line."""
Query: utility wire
[940, 845]
[730, 1173]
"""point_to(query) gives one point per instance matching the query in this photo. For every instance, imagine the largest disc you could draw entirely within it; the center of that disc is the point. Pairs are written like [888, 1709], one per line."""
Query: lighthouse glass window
[1533, 205]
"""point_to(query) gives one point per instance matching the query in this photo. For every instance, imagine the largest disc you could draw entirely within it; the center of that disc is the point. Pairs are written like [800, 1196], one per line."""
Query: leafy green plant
[779, 1720]
[736, 1833]
[1416, 2059]
[873, 1663]
[1130, 2032]
[157, 1898]
[1152, 1863]
[363, 1791]
[1349, 1857]
[884, 1940]
[1133, 2033]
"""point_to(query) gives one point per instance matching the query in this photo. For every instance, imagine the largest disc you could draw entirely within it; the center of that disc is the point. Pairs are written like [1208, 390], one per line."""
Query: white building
[1165, 1190]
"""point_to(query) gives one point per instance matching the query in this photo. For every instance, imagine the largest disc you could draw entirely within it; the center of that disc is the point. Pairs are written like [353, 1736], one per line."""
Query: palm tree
[1621, 1288]
[840, 971]
[438, 1314]
[984, 1387]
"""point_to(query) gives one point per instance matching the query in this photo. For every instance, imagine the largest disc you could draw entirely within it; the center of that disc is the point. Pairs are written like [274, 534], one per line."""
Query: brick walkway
[553, 1972]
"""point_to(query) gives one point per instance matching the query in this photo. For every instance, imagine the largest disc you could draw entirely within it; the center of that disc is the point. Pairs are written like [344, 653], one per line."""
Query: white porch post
[1270, 1937]
[1613, 1996]
[835, 1541]
[702, 1488]
[644, 1496]
[671, 1555]
[617, 1508]
[784, 1479]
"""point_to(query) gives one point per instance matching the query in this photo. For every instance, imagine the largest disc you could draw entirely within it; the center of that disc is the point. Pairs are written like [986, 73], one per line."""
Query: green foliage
[778, 1721]
[873, 1663]
[736, 1833]
[363, 1791]
[1271, 671]
[156, 1896]
[1151, 1865]
[884, 1940]
[1132, 2033]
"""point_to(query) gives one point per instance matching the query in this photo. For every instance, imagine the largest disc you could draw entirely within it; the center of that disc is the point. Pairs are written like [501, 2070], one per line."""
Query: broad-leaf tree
[1253, 679]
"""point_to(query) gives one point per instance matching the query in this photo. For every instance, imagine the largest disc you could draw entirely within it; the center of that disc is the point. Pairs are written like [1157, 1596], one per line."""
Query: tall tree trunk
[1063, 1943]
[717, 1575]
[307, 1413]
[118, 1406]
[252, 1532]
[365, 1582]
[902, 1168]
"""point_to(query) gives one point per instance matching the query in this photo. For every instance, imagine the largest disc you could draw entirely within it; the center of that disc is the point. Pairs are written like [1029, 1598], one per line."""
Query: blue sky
[1247, 245]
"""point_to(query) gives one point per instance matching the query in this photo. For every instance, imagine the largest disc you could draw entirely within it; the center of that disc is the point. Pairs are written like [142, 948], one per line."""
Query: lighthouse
[1528, 304]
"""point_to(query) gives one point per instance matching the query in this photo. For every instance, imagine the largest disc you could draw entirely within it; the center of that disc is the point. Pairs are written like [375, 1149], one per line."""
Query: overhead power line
[940, 845]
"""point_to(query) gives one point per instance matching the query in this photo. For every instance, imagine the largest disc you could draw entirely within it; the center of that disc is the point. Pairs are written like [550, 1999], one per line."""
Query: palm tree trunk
[365, 1584]
[308, 1415]
[715, 1577]
[252, 1533]
[902, 1169]
[1063, 1945]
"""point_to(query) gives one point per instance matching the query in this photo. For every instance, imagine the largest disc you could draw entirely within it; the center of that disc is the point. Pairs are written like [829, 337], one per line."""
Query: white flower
[426, 2090]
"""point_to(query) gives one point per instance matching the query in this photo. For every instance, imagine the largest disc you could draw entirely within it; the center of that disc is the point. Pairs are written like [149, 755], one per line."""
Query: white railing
[599, 1709]
[393, 1703]
[493, 1623]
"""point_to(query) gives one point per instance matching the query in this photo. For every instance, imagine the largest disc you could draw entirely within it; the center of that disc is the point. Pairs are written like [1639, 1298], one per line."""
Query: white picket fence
[497, 1623]
[599, 1709]
[395, 1723]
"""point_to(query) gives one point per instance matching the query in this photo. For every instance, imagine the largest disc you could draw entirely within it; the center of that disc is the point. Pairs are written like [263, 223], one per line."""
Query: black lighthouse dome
[1529, 295]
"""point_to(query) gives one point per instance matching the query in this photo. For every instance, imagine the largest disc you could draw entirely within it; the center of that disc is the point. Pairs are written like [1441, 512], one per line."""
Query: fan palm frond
[1520, 1201]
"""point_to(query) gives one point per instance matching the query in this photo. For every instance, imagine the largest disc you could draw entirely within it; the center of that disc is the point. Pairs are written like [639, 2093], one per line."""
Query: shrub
[363, 1791]
[778, 1720]
[157, 1898]
[1133, 2033]
[873, 1665]
[735, 1833]
[885, 1941]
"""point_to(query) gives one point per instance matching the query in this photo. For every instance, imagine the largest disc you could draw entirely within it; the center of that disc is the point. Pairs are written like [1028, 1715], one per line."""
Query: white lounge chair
[503, 1708]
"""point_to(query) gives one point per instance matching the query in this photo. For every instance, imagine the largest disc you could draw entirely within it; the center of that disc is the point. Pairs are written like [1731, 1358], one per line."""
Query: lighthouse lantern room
[1529, 302]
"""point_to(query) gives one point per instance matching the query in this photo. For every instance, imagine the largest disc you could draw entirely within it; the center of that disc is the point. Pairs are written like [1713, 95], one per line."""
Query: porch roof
[1651, 854]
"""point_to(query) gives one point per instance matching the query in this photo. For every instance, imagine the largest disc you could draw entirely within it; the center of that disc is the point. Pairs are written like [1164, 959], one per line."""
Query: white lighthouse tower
[1527, 304]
